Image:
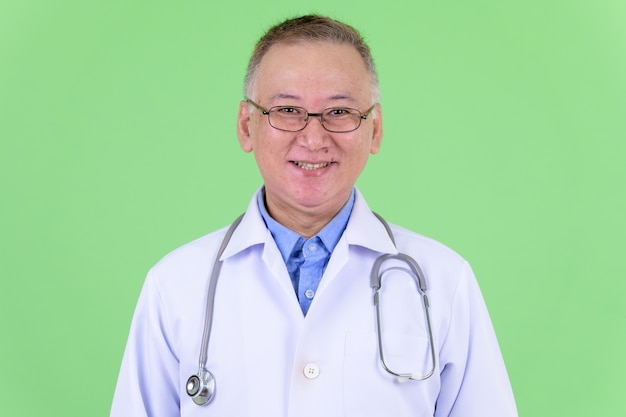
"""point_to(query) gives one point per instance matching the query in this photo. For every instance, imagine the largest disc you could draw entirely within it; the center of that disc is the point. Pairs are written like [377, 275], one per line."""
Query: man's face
[310, 173]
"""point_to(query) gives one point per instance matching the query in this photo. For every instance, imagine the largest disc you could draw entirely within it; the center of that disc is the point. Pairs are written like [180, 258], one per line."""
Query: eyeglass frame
[363, 116]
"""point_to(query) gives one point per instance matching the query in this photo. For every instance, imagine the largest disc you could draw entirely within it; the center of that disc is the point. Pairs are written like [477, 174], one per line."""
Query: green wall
[505, 125]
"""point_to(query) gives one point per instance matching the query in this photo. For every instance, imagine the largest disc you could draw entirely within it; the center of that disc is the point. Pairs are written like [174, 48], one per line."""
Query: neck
[305, 222]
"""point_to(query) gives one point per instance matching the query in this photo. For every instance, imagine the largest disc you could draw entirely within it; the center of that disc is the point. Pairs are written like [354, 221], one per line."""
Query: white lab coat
[261, 342]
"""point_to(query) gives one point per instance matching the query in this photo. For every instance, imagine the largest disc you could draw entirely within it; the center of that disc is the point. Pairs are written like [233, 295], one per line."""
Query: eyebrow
[335, 97]
[343, 97]
[285, 96]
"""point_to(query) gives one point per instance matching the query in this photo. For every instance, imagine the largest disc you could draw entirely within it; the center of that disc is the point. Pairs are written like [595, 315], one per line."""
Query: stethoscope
[201, 386]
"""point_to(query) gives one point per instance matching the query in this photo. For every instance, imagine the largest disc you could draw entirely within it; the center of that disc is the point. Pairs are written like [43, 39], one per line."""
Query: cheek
[256, 142]
[267, 153]
[358, 160]
[367, 146]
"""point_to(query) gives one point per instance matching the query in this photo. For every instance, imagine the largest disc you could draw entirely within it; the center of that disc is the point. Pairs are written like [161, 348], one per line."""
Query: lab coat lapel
[276, 267]
[253, 231]
[363, 229]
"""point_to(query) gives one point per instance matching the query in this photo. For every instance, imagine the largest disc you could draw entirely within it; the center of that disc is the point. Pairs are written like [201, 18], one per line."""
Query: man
[292, 328]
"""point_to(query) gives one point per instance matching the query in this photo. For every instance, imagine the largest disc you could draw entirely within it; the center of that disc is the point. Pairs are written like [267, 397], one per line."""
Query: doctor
[294, 328]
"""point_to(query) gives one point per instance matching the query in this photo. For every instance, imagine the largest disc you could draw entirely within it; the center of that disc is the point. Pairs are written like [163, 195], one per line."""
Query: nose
[314, 136]
[309, 115]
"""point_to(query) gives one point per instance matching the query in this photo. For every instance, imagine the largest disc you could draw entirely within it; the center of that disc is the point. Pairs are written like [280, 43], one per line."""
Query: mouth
[311, 167]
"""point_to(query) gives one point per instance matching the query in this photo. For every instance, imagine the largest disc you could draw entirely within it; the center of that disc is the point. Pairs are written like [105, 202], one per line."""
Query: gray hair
[310, 28]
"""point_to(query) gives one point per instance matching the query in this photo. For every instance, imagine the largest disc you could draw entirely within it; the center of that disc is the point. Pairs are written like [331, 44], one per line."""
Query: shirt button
[312, 247]
[311, 371]
[309, 294]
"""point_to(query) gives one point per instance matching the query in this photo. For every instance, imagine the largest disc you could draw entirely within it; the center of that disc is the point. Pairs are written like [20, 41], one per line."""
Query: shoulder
[443, 266]
[407, 240]
[189, 260]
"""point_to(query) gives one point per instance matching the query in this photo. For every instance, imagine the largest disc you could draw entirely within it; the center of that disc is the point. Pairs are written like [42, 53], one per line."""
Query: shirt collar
[286, 239]
[363, 229]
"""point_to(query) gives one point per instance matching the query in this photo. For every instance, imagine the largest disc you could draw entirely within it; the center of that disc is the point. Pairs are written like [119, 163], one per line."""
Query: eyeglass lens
[336, 119]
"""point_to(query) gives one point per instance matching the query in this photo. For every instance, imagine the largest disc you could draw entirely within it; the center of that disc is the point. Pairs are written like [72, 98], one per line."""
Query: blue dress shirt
[306, 259]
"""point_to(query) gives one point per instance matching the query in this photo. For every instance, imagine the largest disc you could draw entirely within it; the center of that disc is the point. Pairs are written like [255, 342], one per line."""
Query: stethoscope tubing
[375, 282]
[208, 314]
[201, 386]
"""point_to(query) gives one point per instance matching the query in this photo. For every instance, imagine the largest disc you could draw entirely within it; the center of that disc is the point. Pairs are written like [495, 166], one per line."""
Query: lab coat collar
[363, 229]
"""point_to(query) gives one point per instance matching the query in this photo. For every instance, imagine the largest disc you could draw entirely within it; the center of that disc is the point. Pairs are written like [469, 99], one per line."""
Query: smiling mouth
[311, 167]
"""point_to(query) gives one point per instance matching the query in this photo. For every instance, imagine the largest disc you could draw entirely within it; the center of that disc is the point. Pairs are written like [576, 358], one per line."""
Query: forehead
[313, 70]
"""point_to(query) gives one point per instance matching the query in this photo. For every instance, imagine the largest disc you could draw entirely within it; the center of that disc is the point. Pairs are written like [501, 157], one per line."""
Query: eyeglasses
[295, 119]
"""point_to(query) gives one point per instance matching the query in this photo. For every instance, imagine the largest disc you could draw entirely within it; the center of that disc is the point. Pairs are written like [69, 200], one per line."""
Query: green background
[504, 139]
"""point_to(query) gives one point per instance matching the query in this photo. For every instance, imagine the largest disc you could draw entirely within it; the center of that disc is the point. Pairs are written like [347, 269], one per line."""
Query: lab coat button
[311, 371]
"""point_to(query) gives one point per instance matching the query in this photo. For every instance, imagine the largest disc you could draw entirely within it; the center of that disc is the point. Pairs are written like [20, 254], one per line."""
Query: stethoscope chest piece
[201, 387]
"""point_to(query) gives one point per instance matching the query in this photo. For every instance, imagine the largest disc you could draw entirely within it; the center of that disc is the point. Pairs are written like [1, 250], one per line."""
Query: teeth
[310, 167]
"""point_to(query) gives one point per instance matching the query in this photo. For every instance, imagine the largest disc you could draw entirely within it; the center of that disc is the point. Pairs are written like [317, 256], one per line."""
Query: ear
[243, 127]
[377, 133]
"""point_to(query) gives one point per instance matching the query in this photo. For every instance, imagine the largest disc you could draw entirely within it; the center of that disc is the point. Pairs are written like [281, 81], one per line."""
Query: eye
[289, 111]
[338, 112]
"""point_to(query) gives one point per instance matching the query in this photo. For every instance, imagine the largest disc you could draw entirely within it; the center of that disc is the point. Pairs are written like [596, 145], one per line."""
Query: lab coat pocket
[370, 390]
